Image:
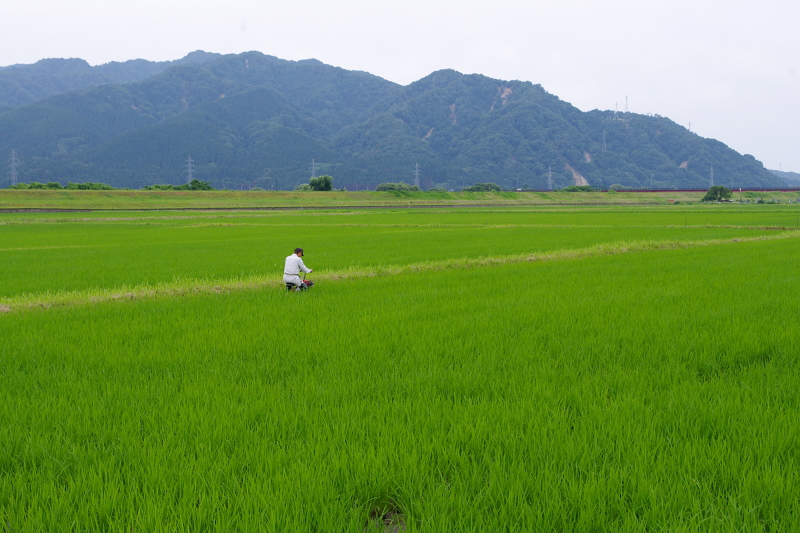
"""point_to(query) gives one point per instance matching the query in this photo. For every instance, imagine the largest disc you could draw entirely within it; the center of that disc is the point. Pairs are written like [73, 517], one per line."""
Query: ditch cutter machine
[304, 286]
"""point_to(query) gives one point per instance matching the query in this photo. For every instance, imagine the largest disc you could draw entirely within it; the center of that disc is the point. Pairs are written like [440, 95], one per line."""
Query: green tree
[717, 193]
[321, 183]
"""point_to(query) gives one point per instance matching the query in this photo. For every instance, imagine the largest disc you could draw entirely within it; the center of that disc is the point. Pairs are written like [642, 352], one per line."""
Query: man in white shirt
[294, 264]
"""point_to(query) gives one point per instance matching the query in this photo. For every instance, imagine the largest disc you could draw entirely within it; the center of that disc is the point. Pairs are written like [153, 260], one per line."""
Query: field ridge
[189, 286]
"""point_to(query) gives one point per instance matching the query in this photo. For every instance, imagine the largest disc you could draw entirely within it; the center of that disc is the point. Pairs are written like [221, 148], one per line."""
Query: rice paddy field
[472, 369]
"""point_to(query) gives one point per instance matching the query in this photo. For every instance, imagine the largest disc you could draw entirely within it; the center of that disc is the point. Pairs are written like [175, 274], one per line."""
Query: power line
[14, 163]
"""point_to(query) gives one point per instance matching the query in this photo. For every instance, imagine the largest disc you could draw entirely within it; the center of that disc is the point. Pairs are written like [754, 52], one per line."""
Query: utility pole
[416, 174]
[549, 178]
[14, 163]
[712, 175]
[189, 170]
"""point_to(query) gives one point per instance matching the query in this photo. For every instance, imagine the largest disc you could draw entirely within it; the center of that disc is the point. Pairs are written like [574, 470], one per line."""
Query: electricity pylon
[14, 163]
[189, 170]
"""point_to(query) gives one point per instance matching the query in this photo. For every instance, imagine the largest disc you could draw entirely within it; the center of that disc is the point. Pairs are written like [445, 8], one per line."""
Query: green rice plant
[607, 392]
[112, 254]
[186, 286]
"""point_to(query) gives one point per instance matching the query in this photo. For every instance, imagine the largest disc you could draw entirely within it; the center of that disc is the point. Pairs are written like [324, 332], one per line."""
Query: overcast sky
[731, 69]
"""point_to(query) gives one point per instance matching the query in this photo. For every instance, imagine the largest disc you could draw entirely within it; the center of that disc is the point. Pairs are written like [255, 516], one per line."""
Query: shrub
[89, 186]
[618, 187]
[483, 187]
[194, 185]
[31, 185]
[578, 188]
[389, 186]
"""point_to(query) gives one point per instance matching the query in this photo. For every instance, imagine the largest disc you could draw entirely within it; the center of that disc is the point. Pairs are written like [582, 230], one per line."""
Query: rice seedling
[68, 255]
[608, 392]
[549, 369]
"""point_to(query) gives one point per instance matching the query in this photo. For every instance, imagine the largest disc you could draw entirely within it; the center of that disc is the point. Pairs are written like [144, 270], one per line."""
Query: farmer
[294, 264]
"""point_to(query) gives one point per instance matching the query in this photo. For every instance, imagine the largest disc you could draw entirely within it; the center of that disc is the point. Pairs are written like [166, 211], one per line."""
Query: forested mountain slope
[26, 84]
[791, 178]
[251, 119]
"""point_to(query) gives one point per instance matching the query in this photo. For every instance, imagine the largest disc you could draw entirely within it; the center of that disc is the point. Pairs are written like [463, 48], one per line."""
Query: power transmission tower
[14, 163]
[604, 141]
[712, 175]
[626, 104]
[616, 110]
[549, 179]
[313, 169]
[189, 170]
[416, 174]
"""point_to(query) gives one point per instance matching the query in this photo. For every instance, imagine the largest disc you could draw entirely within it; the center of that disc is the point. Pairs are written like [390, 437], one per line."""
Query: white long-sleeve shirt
[294, 265]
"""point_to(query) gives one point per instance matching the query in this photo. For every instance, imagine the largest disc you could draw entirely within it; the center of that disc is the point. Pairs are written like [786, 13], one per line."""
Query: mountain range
[792, 179]
[255, 120]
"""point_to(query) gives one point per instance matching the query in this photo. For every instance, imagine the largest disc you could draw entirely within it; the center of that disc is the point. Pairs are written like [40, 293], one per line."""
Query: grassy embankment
[42, 199]
[654, 391]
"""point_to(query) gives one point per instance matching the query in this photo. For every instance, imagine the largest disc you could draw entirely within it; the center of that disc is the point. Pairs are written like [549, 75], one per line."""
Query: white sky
[730, 68]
